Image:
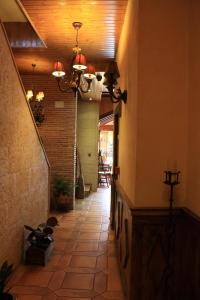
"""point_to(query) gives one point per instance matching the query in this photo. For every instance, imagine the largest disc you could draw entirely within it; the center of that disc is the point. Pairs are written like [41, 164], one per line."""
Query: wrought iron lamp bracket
[119, 96]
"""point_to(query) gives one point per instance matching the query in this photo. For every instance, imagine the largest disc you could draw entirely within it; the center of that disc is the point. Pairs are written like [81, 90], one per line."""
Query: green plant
[5, 271]
[41, 237]
[62, 186]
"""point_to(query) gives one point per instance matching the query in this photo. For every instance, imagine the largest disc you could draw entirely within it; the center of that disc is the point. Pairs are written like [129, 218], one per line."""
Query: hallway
[83, 265]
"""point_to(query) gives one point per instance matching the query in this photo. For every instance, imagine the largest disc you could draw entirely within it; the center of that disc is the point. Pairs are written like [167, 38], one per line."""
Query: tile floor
[83, 265]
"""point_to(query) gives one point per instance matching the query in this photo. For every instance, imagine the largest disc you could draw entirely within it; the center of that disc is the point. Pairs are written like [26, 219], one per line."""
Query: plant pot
[63, 202]
[38, 256]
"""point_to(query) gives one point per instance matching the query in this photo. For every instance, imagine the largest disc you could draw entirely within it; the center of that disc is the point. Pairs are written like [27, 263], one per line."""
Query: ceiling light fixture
[36, 102]
[111, 75]
[82, 74]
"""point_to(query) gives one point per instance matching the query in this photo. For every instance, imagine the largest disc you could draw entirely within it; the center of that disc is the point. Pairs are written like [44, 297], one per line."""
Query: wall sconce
[36, 102]
[111, 75]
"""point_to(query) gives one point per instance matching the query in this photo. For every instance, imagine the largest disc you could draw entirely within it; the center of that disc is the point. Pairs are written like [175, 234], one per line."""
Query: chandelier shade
[58, 69]
[81, 75]
[90, 72]
[79, 62]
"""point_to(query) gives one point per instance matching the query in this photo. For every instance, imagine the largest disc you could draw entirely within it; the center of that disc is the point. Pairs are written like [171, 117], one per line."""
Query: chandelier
[82, 74]
[36, 102]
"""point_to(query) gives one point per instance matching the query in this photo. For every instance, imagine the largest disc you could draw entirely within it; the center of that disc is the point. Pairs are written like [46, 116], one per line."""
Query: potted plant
[39, 242]
[5, 271]
[63, 193]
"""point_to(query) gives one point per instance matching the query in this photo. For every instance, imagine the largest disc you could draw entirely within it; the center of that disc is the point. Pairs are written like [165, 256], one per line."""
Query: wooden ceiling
[99, 36]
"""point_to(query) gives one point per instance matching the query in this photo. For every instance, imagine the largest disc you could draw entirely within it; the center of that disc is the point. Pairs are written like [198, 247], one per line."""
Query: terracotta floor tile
[96, 220]
[102, 262]
[56, 280]
[89, 246]
[103, 246]
[36, 278]
[74, 294]
[83, 265]
[49, 296]
[104, 236]
[113, 295]
[29, 297]
[89, 236]
[60, 246]
[83, 261]
[29, 290]
[100, 282]
[105, 227]
[90, 227]
[64, 261]
[78, 281]
[67, 298]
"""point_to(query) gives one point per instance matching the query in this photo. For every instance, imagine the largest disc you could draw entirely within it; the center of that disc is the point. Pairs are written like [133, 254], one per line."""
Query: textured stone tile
[78, 281]
[83, 262]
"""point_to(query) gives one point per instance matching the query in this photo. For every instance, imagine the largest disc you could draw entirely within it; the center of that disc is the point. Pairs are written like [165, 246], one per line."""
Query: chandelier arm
[67, 89]
[121, 96]
[89, 81]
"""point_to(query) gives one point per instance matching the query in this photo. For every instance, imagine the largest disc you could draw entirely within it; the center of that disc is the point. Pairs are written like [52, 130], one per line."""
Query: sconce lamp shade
[58, 69]
[79, 62]
[90, 73]
[112, 71]
[40, 96]
[29, 94]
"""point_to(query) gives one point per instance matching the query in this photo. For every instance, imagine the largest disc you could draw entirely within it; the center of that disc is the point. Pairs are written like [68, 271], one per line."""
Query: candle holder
[171, 179]
[164, 239]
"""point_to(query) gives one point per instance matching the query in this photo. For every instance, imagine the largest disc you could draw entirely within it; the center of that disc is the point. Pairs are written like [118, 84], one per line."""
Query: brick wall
[58, 131]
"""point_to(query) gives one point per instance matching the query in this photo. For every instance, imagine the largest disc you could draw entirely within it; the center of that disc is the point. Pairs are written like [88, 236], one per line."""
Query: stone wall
[24, 169]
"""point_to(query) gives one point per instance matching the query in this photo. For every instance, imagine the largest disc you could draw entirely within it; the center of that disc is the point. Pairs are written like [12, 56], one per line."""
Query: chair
[104, 174]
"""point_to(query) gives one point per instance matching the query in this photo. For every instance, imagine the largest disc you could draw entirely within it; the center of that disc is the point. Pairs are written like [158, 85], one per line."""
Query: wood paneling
[142, 240]
[102, 22]
[22, 35]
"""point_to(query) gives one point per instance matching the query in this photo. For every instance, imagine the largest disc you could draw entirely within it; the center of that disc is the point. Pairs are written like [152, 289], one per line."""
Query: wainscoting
[149, 270]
